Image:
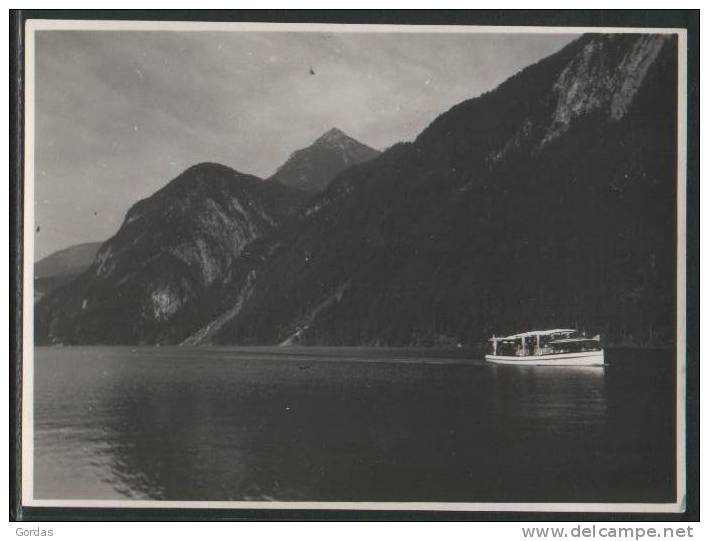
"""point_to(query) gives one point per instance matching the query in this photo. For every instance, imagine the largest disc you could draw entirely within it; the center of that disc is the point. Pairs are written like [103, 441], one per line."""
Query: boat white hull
[583, 358]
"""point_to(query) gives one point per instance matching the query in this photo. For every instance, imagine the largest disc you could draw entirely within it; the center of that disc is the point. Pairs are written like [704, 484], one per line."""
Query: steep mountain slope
[549, 201]
[313, 168]
[62, 266]
[173, 248]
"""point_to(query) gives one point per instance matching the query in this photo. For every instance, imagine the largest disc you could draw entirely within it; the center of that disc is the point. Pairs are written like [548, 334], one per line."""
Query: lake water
[340, 424]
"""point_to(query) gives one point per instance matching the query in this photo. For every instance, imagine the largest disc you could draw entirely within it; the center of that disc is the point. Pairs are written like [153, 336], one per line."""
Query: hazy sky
[119, 114]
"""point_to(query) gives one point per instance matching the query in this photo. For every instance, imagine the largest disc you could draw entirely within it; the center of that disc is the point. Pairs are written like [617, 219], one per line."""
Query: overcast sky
[119, 114]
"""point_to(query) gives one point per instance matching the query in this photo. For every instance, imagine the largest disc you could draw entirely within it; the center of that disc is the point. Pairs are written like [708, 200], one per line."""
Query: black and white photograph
[356, 267]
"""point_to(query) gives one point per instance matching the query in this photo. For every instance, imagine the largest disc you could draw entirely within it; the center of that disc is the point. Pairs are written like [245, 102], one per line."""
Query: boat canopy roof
[570, 340]
[534, 333]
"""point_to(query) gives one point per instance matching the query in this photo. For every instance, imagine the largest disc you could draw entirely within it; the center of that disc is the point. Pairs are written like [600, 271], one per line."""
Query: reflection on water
[349, 425]
[557, 394]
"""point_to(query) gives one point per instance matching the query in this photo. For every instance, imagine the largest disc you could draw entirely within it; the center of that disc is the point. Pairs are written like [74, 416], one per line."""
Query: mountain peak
[333, 134]
[205, 176]
[312, 168]
[210, 167]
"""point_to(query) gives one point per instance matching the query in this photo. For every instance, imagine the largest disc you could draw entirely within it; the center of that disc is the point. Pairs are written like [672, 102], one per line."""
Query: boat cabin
[547, 342]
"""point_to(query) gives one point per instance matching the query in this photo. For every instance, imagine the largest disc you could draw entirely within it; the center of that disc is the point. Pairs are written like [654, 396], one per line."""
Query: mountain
[71, 260]
[546, 202]
[62, 267]
[176, 246]
[549, 201]
[313, 168]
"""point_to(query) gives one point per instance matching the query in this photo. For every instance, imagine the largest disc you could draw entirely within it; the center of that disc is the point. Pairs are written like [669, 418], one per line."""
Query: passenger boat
[555, 347]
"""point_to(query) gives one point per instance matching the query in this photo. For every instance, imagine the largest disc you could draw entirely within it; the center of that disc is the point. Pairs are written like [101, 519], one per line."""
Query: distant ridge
[62, 266]
[72, 260]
